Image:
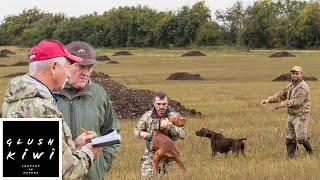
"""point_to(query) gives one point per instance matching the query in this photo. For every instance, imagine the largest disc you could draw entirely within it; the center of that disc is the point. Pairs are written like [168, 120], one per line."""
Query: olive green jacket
[91, 109]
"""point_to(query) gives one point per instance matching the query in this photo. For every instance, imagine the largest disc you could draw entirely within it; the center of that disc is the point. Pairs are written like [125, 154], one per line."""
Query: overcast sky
[81, 7]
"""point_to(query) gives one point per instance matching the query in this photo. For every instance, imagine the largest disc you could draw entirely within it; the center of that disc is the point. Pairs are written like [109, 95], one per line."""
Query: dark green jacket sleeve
[110, 122]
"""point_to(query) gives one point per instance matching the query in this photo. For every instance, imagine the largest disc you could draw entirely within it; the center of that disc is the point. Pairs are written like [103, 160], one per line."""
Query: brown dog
[165, 148]
[221, 144]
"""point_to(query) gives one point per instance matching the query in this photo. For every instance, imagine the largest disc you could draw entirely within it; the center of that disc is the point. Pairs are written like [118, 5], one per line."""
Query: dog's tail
[242, 139]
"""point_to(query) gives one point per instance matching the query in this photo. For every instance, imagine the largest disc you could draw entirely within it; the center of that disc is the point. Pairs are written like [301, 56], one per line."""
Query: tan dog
[165, 148]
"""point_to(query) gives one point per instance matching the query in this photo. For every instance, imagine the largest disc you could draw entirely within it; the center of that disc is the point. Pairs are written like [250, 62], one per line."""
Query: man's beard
[295, 80]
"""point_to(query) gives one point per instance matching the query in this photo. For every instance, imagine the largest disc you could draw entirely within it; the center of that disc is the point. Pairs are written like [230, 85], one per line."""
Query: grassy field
[229, 100]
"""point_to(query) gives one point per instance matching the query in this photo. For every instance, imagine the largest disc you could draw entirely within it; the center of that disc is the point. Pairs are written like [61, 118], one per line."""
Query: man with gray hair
[30, 96]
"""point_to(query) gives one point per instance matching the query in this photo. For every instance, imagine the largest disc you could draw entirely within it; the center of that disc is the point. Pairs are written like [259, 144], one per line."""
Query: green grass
[236, 82]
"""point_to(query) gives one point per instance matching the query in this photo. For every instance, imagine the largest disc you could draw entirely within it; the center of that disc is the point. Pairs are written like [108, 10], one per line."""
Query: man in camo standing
[296, 97]
[151, 121]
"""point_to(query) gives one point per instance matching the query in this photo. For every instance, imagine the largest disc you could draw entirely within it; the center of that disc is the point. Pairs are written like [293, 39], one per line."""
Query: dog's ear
[177, 121]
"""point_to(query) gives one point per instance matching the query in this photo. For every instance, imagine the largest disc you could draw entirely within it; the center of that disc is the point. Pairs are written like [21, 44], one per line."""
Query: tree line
[264, 24]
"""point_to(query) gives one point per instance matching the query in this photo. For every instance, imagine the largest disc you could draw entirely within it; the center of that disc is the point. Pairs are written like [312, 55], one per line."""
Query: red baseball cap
[49, 48]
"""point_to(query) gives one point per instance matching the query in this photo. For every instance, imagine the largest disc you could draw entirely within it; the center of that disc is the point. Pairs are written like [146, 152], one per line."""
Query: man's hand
[83, 138]
[265, 101]
[282, 104]
[95, 150]
[144, 134]
[164, 123]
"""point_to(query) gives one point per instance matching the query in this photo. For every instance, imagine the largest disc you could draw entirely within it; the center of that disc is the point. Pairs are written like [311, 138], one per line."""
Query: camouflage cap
[83, 50]
[296, 68]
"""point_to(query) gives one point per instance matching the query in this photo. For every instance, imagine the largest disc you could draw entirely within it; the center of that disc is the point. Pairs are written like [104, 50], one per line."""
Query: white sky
[81, 7]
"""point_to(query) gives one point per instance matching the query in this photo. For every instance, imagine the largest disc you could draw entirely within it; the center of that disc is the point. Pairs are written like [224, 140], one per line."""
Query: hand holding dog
[164, 123]
[144, 134]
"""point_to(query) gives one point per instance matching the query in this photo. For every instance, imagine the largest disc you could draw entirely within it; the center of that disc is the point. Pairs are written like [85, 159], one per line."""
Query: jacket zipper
[72, 123]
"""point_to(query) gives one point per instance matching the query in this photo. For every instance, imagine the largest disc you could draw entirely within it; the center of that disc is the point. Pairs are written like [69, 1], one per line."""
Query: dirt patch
[193, 53]
[287, 77]
[3, 65]
[282, 54]
[122, 53]
[131, 103]
[100, 76]
[103, 58]
[15, 74]
[20, 63]
[3, 55]
[113, 62]
[184, 76]
[6, 51]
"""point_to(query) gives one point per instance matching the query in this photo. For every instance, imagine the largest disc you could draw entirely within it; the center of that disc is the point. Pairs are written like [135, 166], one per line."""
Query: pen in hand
[85, 131]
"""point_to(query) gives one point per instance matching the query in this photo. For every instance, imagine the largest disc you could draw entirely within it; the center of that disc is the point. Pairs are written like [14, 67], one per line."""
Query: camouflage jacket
[149, 122]
[297, 96]
[27, 97]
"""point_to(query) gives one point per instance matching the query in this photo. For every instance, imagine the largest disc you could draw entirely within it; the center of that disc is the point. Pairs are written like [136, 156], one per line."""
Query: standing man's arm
[110, 122]
[75, 164]
[278, 97]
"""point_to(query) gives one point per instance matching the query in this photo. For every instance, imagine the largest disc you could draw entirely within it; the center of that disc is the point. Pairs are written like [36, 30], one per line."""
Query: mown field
[229, 100]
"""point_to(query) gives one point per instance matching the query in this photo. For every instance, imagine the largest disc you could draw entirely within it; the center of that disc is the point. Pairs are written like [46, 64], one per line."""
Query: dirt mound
[3, 55]
[287, 77]
[282, 54]
[193, 53]
[122, 53]
[15, 74]
[103, 58]
[113, 62]
[20, 63]
[6, 51]
[100, 76]
[184, 76]
[3, 65]
[132, 103]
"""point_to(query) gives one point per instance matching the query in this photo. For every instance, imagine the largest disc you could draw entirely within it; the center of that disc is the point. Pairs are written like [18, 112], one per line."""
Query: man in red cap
[30, 96]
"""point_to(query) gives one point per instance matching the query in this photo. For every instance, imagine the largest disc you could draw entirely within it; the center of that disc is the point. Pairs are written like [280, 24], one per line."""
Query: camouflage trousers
[146, 164]
[296, 127]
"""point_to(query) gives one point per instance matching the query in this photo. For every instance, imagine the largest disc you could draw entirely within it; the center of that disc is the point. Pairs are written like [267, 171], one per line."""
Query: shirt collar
[154, 113]
[54, 97]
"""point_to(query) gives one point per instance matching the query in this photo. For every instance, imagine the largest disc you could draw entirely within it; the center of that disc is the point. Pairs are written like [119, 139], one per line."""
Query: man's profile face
[61, 75]
[80, 75]
[161, 105]
[296, 75]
